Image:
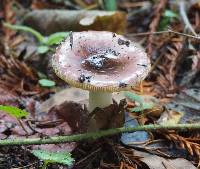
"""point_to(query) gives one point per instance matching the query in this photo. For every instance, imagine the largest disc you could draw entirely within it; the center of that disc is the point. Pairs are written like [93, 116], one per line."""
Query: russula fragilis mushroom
[101, 62]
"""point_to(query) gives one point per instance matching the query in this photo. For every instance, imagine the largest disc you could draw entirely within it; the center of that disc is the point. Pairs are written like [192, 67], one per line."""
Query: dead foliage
[165, 67]
[18, 81]
[16, 72]
[10, 39]
[191, 144]
[159, 7]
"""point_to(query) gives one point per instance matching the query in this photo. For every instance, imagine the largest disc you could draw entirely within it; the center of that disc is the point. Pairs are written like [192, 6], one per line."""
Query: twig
[89, 155]
[96, 135]
[185, 18]
[162, 32]
[23, 127]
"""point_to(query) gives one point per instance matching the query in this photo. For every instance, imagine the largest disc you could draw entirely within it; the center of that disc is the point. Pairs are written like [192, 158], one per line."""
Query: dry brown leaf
[77, 20]
[112, 116]
[186, 143]
[24, 78]
[156, 162]
[165, 68]
[159, 7]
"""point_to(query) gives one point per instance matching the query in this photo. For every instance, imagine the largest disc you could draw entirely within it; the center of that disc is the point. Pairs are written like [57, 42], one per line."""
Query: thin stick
[96, 135]
[185, 18]
[22, 125]
[162, 32]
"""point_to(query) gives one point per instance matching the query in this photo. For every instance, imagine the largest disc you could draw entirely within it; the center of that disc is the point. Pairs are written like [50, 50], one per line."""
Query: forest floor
[169, 33]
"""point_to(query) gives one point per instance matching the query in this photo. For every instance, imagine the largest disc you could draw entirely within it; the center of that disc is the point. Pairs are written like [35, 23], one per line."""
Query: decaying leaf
[165, 67]
[188, 102]
[112, 116]
[18, 77]
[69, 20]
[170, 117]
[75, 114]
[71, 94]
[135, 139]
[7, 97]
[156, 162]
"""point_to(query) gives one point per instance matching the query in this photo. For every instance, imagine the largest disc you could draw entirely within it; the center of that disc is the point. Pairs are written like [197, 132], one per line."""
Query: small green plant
[14, 111]
[110, 5]
[168, 16]
[53, 157]
[139, 99]
[47, 83]
[45, 43]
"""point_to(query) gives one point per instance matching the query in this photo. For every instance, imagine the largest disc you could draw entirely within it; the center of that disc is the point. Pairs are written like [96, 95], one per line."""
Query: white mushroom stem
[99, 99]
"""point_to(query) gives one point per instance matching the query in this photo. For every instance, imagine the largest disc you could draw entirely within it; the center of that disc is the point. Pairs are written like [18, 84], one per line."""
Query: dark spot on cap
[122, 84]
[88, 78]
[102, 61]
[114, 35]
[81, 79]
[123, 42]
[142, 65]
[111, 51]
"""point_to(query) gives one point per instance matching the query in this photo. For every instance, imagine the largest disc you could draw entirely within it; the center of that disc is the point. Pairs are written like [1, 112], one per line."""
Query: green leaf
[142, 107]
[37, 34]
[142, 104]
[54, 157]
[110, 5]
[170, 14]
[163, 24]
[42, 49]
[134, 97]
[56, 38]
[14, 111]
[46, 83]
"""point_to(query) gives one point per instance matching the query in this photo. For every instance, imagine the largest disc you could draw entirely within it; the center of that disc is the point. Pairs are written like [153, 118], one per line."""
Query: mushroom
[101, 62]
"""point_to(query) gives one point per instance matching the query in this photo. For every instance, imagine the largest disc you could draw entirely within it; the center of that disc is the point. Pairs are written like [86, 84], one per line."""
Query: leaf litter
[172, 88]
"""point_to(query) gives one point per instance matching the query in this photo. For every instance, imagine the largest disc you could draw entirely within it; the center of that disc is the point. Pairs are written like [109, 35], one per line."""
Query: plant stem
[110, 5]
[96, 135]
[37, 34]
[162, 32]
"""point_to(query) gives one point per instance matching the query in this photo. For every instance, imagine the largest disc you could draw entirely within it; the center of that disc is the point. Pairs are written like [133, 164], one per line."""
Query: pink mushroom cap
[100, 61]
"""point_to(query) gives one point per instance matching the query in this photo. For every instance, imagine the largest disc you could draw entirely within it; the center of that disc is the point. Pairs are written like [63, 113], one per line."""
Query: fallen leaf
[8, 98]
[170, 117]
[156, 162]
[69, 94]
[72, 94]
[75, 114]
[135, 139]
[112, 116]
[188, 102]
[76, 20]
